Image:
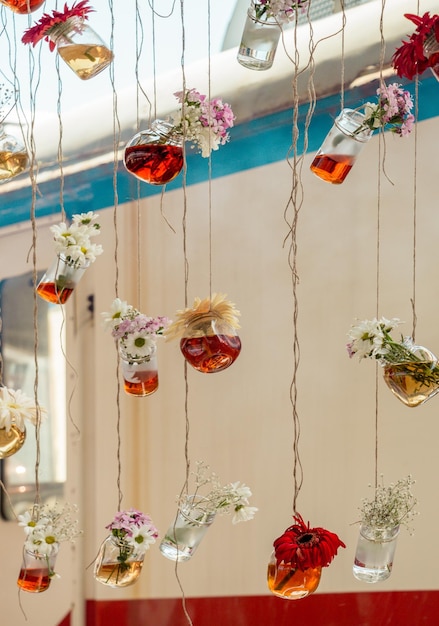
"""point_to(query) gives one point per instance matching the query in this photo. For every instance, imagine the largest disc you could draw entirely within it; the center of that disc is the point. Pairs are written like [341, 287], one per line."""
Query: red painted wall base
[395, 608]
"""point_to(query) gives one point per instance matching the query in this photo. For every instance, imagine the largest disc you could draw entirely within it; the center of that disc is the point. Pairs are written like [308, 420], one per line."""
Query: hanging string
[415, 200]
[342, 77]
[209, 161]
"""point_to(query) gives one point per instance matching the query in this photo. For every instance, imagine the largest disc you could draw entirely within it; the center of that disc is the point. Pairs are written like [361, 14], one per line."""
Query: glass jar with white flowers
[121, 555]
[381, 520]
[46, 526]
[136, 335]
[197, 512]
[16, 408]
[75, 252]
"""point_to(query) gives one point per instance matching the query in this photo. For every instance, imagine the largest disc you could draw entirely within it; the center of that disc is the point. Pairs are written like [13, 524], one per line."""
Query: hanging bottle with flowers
[421, 51]
[75, 252]
[208, 334]
[295, 566]
[156, 154]
[352, 129]
[76, 43]
[14, 158]
[46, 526]
[197, 512]
[121, 555]
[23, 6]
[137, 336]
[411, 372]
[262, 30]
[381, 519]
[15, 409]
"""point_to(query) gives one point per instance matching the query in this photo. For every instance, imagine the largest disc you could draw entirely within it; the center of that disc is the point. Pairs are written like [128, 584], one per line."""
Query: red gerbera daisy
[304, 547]
[42, 28]
[409, 59]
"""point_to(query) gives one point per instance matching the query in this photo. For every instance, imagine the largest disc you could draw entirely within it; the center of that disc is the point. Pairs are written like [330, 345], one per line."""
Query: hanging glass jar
[209, 344]
[37, 570]
[155, 155]
[259, 41]
[286, 581]
[140, 375]
[341, 147]
[23, 6]
[431, 51]
[80, 47]
[118, 564]
[411, 383]
[12, 440]
[191, 524]
[60, 280]
[375, 553]
[13, 156]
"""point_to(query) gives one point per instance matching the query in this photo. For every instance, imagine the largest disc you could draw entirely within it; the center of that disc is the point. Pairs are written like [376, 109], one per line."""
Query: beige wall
[241, 419]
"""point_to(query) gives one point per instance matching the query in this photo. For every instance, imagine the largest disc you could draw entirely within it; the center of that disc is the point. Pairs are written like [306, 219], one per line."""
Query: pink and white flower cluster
[74, 241]
[281, 10]
[202, 121]
[134, 529]
[393, 110]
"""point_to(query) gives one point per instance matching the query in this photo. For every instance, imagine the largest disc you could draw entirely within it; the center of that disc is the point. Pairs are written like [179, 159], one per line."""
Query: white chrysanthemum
[142, 538]
[243, 514]
[118, 310]
[138, 345]
[16, 407]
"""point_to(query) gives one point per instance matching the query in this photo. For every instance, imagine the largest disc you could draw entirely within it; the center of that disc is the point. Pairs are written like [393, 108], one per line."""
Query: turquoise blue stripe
[257, 142]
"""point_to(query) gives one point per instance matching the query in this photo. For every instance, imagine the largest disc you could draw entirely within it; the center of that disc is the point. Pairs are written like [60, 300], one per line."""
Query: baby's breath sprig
[391, 506]
[5, 98]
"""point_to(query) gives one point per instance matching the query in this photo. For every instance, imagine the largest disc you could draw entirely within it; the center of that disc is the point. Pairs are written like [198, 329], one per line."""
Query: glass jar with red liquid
[341, 147]
[210, 344]
[37, 570]
[155, 155]
[23, 6]
[60, 280]
[289, 582]
[431, 51]
[140, 375]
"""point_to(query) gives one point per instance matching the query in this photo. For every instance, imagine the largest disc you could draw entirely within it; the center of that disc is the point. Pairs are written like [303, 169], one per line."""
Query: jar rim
[355, 118]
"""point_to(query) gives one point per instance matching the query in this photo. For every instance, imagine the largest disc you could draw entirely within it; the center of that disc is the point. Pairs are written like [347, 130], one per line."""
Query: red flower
[304, 547]
[42, 28]
[409, 59]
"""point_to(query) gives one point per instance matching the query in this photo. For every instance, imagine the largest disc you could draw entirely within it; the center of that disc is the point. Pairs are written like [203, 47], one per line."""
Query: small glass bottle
[209, 344]
[259, 41]
[191, 524]
[118, 564]
[80, 47]
[11, 441]
[342, 145]
[60, 280]
[23, 6]
[141, 377]
[431, 51]
[375, 553]
[155, 155]
[13, 156]
[37, 570]
[289, 582]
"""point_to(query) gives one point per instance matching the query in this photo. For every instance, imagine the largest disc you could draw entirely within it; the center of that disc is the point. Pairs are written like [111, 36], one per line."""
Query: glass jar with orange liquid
[431, 51]
[118, 564]
[23, 6]
[286, 581]
[341, 147]
[12, 440]
[13, 156]
[140, 375]
[80, 47]
[37, 570]
[60, 280]
[155, 155]
[209, 343]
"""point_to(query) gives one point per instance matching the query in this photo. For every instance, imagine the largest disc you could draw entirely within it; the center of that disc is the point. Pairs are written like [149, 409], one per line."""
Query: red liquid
[21, 6]
[48, 292]
[34, 580]
[148, 383]
[333, 169]
[212, 353]
[156, 164]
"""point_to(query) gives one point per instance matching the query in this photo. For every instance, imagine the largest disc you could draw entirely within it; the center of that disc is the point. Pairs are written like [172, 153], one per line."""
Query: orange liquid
[156, 164]
[148, 383]
[212, 353]
[34, 580]
[286, 582]
[115, 575]
[48, 292]
[21, 6]
[333, 169]
[86, 60]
